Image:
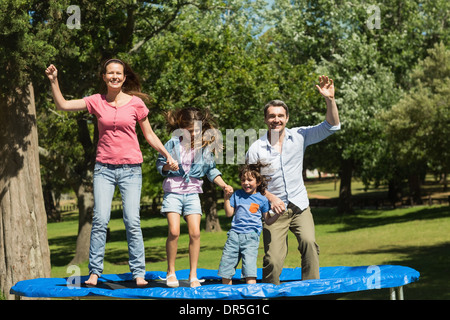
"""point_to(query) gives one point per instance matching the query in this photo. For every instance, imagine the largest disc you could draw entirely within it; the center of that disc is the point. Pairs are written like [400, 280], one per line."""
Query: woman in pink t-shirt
[118, 108]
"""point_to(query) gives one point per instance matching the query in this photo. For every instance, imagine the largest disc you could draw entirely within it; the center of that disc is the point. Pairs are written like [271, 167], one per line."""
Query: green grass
[416, 237]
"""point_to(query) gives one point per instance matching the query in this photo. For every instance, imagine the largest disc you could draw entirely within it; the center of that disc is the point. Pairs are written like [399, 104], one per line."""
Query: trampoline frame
[334, 280]
[395, 293]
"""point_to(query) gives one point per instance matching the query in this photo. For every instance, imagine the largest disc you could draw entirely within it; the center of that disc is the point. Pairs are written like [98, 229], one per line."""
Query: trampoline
[333, 280]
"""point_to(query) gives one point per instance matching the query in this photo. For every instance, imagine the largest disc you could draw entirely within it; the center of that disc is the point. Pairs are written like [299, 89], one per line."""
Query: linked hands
[228, 191]
[277, 205]
[172, 163]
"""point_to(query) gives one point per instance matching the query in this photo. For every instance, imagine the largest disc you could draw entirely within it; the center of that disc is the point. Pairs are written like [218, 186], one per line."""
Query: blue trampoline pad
[332, 280]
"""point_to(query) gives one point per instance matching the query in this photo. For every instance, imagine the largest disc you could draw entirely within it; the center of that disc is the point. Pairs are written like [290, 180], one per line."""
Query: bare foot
[140, 282]
[92, 280]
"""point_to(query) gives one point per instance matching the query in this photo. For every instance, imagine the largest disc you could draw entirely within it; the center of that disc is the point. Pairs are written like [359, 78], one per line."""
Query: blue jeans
[129, 180]
[239, 245]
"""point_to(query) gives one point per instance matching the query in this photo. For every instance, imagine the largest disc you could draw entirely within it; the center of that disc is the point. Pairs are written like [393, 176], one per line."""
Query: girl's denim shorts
[184, 204]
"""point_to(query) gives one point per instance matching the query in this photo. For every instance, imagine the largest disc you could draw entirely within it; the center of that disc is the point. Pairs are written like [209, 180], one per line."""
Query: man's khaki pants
[275, 236]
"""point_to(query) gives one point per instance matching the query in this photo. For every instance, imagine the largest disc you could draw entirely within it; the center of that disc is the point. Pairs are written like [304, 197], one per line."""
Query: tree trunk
[394, 191]
[345, 190]
[444, 181]
[52, 213]
[85, 198]
[415, 188]
[83, 187]
[210, 206]
[24, 251]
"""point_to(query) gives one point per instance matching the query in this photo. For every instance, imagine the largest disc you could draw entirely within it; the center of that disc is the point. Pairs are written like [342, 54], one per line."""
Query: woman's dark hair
[132, 84]
[255, 171]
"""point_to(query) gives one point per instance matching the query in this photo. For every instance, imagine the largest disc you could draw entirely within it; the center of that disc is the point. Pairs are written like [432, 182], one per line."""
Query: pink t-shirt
[178, 184]
[118, 142]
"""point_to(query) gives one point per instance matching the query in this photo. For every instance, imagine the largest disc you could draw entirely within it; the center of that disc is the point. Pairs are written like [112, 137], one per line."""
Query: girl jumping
[189, 147]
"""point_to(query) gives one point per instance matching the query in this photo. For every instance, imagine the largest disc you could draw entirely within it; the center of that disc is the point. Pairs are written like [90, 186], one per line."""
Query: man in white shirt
[283, 149]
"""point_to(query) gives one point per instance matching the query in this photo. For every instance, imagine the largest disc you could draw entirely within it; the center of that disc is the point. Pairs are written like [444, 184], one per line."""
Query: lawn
[417, 237]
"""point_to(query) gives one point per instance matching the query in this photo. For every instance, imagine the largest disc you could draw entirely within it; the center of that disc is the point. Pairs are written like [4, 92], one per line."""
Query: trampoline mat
[332, 280]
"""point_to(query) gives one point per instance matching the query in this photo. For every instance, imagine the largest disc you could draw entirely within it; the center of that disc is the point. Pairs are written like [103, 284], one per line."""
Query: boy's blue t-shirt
[248, 210]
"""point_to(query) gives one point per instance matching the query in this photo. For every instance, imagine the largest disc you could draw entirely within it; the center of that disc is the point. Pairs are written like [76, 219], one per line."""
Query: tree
[366, 89]
[24, 251]
[418, 125]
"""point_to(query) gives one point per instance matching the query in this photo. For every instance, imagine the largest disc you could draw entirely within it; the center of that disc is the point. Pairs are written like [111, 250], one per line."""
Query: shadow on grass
[65, 252]
[375, 218]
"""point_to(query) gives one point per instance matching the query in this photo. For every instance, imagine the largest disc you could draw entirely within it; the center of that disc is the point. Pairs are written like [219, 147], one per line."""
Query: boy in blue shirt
[249, 206]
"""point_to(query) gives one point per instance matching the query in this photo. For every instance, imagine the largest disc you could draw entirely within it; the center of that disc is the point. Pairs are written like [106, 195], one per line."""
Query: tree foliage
[370, 64]
[418, 125]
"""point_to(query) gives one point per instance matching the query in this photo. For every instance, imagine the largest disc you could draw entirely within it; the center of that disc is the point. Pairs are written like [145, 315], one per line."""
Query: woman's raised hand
[51, 72]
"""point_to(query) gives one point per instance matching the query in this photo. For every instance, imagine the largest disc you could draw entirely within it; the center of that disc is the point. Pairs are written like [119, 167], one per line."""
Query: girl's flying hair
[186, 118]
